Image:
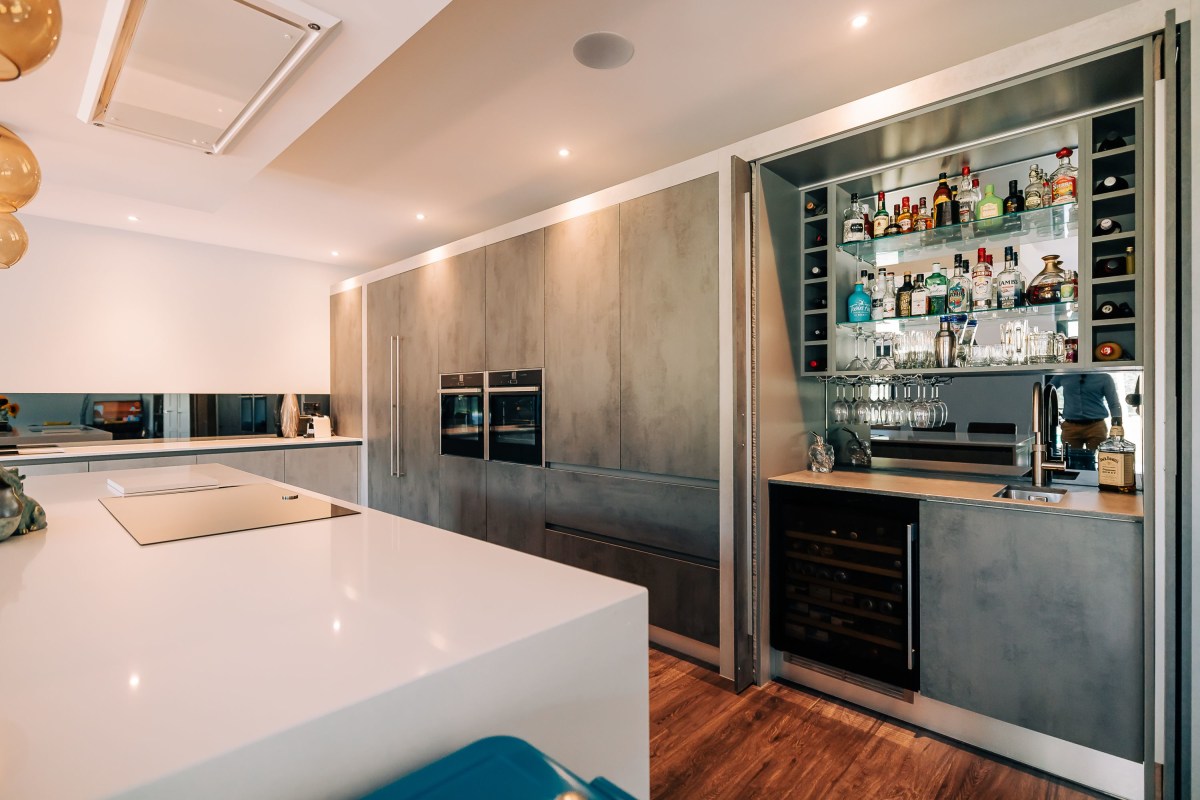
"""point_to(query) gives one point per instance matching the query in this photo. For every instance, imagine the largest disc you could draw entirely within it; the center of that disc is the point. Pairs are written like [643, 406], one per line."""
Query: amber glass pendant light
[13, 240]
[20, 175]
[29, 32]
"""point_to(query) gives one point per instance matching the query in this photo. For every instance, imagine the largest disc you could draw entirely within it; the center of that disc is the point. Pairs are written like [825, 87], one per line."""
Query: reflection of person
[1088, 400]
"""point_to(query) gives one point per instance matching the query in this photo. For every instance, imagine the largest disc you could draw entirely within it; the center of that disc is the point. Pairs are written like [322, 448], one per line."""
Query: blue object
[497, 768]
[858, 305]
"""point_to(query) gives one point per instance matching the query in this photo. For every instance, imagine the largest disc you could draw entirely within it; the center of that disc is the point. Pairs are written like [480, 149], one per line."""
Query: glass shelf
[1048, 312]
[1024, 227]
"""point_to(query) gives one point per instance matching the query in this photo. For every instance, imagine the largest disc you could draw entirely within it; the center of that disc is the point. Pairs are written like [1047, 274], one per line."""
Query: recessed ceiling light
[564, 152]
[420, 215]
[603, 50]
[333, 252]
[860, 21]
[132, 218]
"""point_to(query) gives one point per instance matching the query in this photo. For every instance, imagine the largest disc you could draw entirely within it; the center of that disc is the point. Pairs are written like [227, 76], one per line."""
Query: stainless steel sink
[1039, 495]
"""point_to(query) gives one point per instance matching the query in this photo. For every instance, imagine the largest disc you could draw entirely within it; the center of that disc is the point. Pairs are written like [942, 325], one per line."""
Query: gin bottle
[889, 297]
[958, 292]
[878, 290]
[937, 286]
[920, 297]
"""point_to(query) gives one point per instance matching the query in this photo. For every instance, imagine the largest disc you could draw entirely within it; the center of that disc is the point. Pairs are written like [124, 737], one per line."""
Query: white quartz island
[321, 659]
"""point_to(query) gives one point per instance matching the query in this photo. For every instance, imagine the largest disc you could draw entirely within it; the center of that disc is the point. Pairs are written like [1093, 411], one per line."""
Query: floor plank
[777, 741]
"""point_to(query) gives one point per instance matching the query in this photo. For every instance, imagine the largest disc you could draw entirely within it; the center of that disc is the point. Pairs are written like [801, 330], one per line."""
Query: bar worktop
[318, 659]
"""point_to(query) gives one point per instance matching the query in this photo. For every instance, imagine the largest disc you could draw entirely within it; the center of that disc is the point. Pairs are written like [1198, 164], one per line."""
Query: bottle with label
[1015, 201]
[1008, 283]
[904, 219]
[958, 292]
[967, 197]
[858, 304]
[937, 285]
[990, 206]
[1063, 181]
[1115, 458]
[921, 219]
[853, 229]
[878, 290]
[889, 297]
[1016, 262]
[893, 227]
[920, 297]
[879, 222]
[941, 203]
[981, 286]
[868, 226]
[1033, 191]
[904, 297]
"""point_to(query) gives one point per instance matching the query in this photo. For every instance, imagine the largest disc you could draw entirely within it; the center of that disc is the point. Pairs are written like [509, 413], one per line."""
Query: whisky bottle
[990, 206]
[879, 222]
[941, 204]
[904, 219]
[1008, 283]
[892, 227]
[922, 220]
[1115, 462]
[1015, 201]
[904, 297]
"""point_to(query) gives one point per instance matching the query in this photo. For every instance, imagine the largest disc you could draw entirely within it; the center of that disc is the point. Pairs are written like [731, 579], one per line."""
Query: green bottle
[990, 206]
[937, 286]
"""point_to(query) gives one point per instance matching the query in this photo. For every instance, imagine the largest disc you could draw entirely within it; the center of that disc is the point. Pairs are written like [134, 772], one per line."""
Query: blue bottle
[858, 304]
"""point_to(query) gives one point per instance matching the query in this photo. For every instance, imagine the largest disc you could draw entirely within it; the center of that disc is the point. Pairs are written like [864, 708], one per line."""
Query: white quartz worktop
[320, 659]
[60, 452]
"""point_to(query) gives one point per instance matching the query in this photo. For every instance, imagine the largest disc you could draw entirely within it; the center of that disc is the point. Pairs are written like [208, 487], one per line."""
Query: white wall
[92, 309]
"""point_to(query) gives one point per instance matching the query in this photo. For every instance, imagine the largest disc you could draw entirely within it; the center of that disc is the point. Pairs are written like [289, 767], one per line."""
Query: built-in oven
[461, 397]
[514, 402]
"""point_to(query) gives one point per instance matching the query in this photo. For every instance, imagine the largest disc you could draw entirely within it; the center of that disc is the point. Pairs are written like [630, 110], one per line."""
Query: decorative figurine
[19, 513]
[820, 454]
[860, 451]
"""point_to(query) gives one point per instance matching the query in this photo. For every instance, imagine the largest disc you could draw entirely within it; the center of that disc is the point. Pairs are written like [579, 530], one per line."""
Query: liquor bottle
[958, 292]
[1106, 310]
[1047, 285]
[922, 220]
[1107, 226]
[889, 297]
[812, 208]
[1008, 283]
[904, 297]
[816, 271]
[853, 229]
[1016, 262]
[1015, 201]
[893, 228]
[866, 217]
[904, 218]
[1063, 181]
[1129, 260]
[1115, 459]
[937, 286]
[966, 197]
[879, 223]
[981, 286]
[990, 206]
[1108, 351]
[877, 293]
[941, 203]
[816, 365]
[858, 304]
[1111, 141]
[819, 240]
[955, 207]
[920, 297]
[1033, 191]
[1111, 183]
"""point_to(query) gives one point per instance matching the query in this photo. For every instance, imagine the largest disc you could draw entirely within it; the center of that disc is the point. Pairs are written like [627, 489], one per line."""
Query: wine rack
[817, 234]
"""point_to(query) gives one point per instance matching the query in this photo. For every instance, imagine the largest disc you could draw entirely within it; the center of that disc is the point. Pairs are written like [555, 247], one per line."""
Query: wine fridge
[844, 581]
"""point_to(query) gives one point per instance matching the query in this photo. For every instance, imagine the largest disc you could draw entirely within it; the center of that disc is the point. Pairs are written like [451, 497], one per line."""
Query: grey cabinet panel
[669, 338]
[267, 463]
[681, 519]
[462, 492]
[516, 506]
[383, 328]
[329, 470]
[684, 597]
[515, 302]
[419, 425]
[110, 464]
[583, 340]
[460, 324]
[1035, 619]
[33, 470]
[345, 362]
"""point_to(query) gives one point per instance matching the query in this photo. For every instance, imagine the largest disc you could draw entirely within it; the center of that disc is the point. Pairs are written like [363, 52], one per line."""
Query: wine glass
[840, 407]
[941, 411]
[921, 412]
[857, 363]
[862, 407]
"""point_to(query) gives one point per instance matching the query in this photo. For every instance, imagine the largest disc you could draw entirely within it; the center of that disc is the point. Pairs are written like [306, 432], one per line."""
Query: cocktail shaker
[945, 346]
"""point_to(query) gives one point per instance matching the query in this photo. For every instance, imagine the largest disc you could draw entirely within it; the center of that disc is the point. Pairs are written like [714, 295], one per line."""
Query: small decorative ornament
[19, 513]
[820, 454]
[289, 417]
[860, 450]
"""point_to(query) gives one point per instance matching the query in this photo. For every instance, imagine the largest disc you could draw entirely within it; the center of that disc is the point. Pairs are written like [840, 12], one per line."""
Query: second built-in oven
[514, 403]
[461, 397]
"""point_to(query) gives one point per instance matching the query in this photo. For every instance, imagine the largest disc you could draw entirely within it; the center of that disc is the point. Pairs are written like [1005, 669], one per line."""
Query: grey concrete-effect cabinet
[267, 463]
[345, 362]
[461, 317]
[583, 340]
[1035, 619]
[669, 331]
[331, 471]
[383, 334]
[514, 307]
[516, 507]
[420, 308]
[462, 496]
[109, 464]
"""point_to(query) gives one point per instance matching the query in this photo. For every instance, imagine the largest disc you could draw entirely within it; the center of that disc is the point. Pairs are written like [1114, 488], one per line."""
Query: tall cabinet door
[583, 340]
[383, 380]
[460, 325]
[669, 338]
[515, 302]
[420, 304]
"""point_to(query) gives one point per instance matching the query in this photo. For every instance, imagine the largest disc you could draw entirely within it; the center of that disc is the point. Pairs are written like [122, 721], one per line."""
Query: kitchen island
[319, 659]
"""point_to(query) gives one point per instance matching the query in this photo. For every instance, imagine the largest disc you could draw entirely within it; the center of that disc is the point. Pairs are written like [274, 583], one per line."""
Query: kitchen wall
[91, 309]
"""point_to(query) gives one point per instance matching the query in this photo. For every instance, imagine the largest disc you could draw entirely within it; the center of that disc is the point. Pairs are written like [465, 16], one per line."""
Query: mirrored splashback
[61, 418]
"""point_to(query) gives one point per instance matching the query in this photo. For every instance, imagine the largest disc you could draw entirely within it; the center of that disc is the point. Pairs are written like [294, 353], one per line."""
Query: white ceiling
[462, 118]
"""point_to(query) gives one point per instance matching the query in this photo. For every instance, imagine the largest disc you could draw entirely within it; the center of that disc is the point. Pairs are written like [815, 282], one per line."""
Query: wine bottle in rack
[1111, 183]
[1107, 226]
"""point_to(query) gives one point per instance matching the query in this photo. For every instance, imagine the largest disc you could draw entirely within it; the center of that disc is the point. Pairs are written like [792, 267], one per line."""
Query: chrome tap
[1041, 441]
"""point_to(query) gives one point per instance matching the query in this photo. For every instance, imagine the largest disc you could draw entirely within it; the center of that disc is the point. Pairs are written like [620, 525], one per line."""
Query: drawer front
[684, 597]
[666, 516]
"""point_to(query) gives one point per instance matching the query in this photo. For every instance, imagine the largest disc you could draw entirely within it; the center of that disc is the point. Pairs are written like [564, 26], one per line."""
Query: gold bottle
[1114, 462]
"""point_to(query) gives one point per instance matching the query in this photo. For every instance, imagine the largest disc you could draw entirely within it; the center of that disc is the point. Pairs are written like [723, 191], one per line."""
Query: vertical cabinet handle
[398, 412]
[392, 406]
[910, 536]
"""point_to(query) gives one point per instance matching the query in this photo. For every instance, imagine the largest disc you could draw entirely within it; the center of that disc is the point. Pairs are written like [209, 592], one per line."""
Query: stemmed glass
[884, 348]
[939, 410]
[840, 407]
[921, 411]
[862, 407]
[858, 363]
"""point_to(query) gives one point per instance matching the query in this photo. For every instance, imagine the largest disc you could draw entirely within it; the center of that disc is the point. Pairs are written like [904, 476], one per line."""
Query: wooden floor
[780, 742]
